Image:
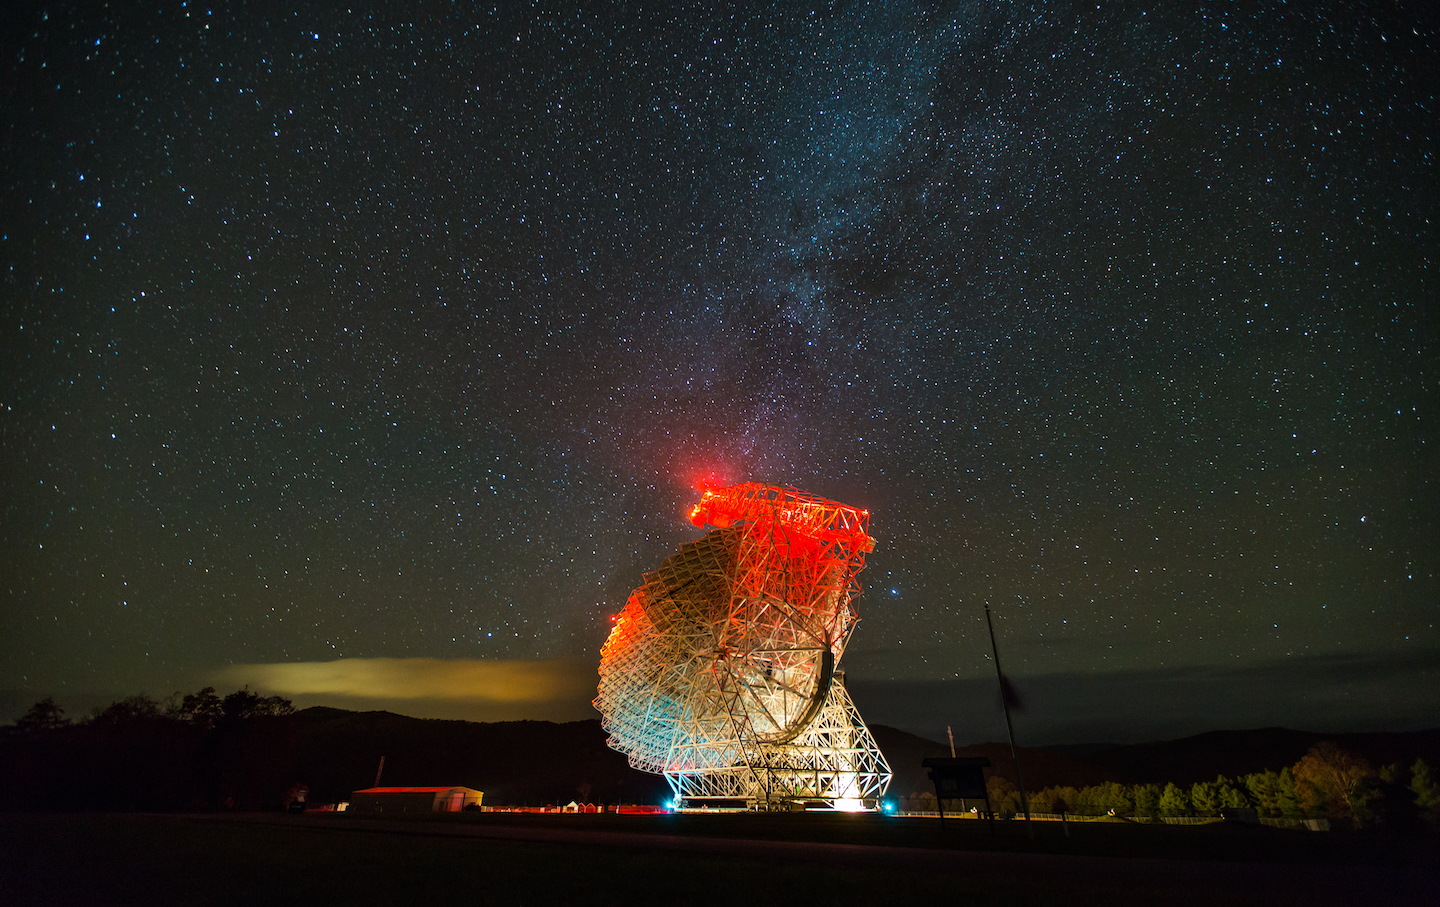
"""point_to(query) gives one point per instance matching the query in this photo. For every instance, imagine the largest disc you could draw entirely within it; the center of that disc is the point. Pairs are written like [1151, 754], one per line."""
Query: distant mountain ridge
[1183, 761]
[156, 763]
[1231, 753]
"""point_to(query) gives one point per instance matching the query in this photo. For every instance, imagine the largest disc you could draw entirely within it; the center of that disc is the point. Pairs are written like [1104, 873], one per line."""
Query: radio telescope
[720, 673]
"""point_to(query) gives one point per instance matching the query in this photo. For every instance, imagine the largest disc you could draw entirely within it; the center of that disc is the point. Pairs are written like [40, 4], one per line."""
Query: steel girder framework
[720, 671]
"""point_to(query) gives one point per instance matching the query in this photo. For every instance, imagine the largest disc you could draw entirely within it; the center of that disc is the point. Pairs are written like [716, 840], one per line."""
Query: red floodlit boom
[770, 507]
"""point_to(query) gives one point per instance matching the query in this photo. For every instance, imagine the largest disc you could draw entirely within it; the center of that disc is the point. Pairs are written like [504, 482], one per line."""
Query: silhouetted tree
[201, 709]
[44, 715]
[1394, 805]
[131, 708]
[243, 704]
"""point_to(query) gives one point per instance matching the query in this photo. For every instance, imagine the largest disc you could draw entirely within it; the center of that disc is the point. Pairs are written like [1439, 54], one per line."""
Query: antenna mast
[1009, 728]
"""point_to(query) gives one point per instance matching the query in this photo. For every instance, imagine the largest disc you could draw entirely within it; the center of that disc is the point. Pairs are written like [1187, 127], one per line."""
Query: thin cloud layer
[462, 680]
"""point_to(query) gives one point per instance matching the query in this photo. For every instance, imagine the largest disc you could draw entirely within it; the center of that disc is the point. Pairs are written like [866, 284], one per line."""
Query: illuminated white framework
[834, 760]
[720, 672]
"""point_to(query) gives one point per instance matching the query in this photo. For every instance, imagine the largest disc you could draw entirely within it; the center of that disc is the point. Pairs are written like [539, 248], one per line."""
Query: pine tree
[1115, 799]
[1426, 791]
[1147, 800]
[1088, 801]
[1229, 795]
[1203, 799]
[1174, 801]
[1264, 788]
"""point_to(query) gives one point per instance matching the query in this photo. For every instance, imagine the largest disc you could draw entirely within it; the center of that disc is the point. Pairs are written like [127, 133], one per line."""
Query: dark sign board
[960, 779]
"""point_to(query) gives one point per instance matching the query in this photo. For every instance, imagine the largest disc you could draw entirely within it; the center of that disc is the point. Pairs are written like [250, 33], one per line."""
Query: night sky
[406, 331]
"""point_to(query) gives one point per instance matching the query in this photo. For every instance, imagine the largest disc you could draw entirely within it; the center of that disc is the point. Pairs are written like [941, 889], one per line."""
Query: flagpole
[1009, 728]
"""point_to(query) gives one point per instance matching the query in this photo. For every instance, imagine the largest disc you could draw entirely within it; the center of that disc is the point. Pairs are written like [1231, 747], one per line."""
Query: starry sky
[401, 334]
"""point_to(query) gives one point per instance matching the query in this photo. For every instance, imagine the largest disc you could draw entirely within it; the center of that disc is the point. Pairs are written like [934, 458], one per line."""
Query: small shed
[414, 799]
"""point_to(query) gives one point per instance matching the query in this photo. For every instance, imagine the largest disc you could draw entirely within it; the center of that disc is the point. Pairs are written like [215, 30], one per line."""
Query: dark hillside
[1042, 767]
[157, 764]
[513, 762]
[1184, 761]
[1232, 753]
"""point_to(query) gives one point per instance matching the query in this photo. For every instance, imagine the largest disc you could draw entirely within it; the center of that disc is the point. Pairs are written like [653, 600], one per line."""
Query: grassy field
[725, 859]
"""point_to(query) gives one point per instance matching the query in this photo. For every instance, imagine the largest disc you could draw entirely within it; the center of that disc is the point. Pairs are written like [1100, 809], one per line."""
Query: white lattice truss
[720, 672]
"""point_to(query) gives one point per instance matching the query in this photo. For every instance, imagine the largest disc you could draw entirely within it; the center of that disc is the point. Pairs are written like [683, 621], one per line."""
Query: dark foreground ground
[721, 859]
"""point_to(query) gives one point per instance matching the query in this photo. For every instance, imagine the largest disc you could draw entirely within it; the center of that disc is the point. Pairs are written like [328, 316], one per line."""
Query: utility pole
[382, 768]
[1009, 728]
[951, 734]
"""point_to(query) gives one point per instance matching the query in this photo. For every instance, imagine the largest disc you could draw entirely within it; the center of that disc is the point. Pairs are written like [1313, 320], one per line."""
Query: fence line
[1307, 824]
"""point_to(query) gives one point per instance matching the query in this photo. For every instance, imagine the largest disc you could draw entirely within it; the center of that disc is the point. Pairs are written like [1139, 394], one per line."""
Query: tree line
[193, 751]
[203, 709]
[207, 751]
[1328, 782]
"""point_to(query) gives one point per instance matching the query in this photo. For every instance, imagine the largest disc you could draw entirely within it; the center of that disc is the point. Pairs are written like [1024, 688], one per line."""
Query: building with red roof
[414, 799]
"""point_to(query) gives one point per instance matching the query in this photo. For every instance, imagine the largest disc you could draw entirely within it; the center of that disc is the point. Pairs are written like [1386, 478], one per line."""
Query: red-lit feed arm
[767, 508]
